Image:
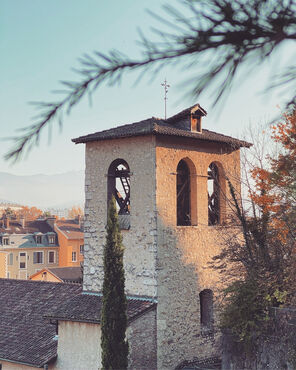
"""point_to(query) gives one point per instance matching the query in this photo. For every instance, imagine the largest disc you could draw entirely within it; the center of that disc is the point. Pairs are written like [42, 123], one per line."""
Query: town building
[59, 275]
[71, 242]
[27, 247]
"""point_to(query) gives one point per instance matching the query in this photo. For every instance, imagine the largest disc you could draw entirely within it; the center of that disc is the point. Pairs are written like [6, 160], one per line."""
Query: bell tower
[169, 181]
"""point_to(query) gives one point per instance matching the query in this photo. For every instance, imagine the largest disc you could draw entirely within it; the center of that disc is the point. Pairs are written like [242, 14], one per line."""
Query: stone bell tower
[169, 181]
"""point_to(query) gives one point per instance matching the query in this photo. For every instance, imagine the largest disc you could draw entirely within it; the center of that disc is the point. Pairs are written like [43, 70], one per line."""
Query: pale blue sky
[40, 41]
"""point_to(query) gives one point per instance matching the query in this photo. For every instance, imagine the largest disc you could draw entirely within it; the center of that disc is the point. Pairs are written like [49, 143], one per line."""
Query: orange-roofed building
[59, 275]
[71, 242]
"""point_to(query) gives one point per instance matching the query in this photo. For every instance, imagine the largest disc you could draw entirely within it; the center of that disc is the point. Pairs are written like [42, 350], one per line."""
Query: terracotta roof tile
[173, 126]
[25, 336]
[71, 229]
[67, 274]
[31, 227]
[86, 307]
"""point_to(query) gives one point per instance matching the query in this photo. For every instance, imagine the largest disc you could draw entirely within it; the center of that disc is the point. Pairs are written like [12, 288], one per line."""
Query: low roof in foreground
[86, 307]
[173, 126]
[27, 335]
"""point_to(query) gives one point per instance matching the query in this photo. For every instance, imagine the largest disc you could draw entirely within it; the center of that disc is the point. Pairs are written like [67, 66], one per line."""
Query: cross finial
[166, 86]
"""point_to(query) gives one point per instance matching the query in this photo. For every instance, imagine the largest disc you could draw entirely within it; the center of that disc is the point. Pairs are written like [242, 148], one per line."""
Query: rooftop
[66, 274]
[25, 336]
[72, 229]
[176, 125]
[86, 307]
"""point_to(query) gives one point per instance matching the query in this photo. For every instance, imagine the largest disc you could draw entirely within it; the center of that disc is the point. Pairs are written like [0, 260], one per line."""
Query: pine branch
[222, 33]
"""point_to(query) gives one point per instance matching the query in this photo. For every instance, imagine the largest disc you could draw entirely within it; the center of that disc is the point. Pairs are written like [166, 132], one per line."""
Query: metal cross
[166, 86]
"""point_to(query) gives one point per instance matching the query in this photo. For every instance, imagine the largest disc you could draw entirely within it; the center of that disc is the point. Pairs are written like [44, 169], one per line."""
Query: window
[206, 310]
[22, 260]
[213, 195]
[82, 249]
[183, 194]
[51, 239]
[10, 259]
[5, 241]
[38, 239]
[74, 258]
[51, 257]
[119, 187]
[38, 257]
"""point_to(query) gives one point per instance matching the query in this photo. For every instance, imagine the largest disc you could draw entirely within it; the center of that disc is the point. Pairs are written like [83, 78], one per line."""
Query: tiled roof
[31, 227]
[25, 336]
[86, 307]
[24, 237]
[70, 228]
[67, 274]
[173, 126]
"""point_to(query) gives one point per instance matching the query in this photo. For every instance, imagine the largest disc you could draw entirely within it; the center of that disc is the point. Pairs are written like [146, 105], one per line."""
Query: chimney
[22, 221]
[78, 219]
[51, 221]
[5, 221]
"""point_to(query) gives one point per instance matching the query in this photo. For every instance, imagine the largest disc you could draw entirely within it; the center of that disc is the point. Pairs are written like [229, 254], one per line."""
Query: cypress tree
[114, 304]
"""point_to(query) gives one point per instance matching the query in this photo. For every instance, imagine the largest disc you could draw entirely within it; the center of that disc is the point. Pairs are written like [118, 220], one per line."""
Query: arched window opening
[183, 194]
[213, 195]
[119, 186]
[206, 309]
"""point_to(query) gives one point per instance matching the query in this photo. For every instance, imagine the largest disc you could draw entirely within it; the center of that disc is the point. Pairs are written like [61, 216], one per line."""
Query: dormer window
[196, 113]
[5, 241]
[196, 122]
[39, 239]
[51, 239]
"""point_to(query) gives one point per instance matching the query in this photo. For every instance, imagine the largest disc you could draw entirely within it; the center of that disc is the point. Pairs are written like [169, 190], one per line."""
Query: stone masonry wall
[184, 251]
[273, 350]
[140, 240]
[142, 342]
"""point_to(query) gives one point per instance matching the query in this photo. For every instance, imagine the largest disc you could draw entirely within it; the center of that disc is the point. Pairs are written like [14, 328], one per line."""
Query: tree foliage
[262, 265]
[74, 212]
[214, 41]
[29, 213]
[114, 305]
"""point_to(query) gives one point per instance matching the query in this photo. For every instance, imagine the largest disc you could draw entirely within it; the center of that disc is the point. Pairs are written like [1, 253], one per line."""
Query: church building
[169, 178]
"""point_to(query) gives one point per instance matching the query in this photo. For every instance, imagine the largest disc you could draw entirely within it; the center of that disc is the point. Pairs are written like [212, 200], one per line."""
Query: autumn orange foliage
[29, 213]
[275, 189]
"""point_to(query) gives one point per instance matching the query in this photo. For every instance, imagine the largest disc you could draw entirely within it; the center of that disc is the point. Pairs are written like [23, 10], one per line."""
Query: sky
[40, 43]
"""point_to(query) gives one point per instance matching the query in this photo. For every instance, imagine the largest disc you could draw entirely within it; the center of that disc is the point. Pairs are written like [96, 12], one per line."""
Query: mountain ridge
[43, 190]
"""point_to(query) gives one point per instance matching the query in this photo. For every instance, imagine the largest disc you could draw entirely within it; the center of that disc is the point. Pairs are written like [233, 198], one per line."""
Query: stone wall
[142, 342]
[274, 350]
[184, 251]
[140, 240]
[161, 259]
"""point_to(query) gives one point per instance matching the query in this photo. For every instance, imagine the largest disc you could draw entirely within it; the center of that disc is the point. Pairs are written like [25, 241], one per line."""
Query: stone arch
[119, 187]
[206, 309]
[186, 193]
[216, 187]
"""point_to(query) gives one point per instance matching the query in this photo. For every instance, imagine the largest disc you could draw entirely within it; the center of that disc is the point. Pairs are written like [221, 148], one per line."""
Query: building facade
[27, 247]
[169, 178]
[71, 242]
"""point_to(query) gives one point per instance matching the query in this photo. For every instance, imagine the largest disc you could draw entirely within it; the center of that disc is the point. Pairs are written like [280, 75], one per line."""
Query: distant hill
[43, 191]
